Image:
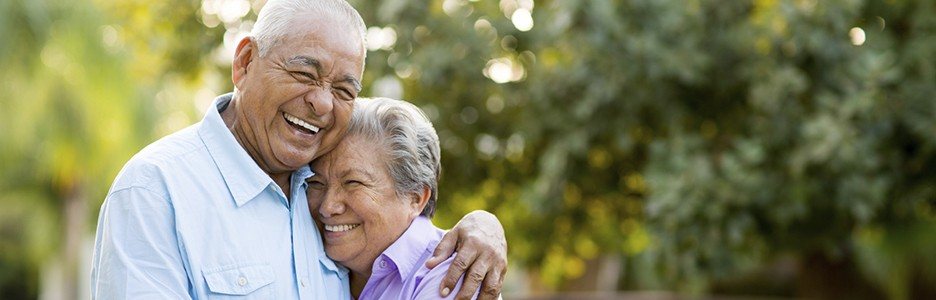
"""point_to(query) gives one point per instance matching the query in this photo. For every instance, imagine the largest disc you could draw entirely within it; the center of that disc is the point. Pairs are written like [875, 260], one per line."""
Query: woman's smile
[334, 232]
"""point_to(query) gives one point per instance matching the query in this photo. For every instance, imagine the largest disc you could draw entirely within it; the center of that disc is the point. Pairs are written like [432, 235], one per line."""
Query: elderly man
[219, 208]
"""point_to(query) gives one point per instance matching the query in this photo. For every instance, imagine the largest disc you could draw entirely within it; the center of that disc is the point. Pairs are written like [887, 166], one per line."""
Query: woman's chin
[338, 255]
[334, 255]
[347, 259]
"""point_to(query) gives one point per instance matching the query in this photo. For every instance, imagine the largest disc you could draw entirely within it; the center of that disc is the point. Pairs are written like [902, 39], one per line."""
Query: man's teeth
[340, 228]
[301, 123]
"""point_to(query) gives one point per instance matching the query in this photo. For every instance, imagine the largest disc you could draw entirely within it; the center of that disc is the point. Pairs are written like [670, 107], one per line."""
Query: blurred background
[641, 148]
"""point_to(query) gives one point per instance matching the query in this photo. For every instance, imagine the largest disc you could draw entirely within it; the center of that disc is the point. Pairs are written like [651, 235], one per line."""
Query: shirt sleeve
[430, 285]
[136, 249]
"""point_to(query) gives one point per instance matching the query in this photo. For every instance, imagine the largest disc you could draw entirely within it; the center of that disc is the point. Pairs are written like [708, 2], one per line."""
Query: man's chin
[295, 161]
[324, 149]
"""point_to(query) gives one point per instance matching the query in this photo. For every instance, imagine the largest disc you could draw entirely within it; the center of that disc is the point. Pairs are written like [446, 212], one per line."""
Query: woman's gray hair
[410, 142]
[276, 17]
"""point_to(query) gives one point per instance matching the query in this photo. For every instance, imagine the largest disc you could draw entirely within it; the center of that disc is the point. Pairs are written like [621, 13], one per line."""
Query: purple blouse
[400, 271]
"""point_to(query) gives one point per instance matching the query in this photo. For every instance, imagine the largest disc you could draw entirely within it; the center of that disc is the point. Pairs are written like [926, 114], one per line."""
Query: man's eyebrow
[306, 61]
[311, 62]
[353, 81]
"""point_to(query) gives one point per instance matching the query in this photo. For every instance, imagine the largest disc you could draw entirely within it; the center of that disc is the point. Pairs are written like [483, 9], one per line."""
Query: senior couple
[230, 208]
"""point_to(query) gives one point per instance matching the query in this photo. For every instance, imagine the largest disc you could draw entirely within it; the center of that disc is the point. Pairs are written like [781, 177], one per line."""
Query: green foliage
[698, 138]
[555, 155]
[816, 144]
[75, 104]
[893, 258]
[728, 131]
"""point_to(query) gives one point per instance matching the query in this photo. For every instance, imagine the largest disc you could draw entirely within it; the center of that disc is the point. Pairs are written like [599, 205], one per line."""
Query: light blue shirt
[193, 216]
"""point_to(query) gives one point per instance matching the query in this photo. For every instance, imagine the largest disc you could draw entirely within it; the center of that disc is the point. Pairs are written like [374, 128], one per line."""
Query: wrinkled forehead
[352, 151]
[351, 156]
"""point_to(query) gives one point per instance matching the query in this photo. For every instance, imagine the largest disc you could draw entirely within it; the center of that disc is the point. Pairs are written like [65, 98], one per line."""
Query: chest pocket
[240, 281]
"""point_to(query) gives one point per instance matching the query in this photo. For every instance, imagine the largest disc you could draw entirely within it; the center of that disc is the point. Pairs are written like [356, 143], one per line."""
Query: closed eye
[302, 76]
[344, 94]
[316, 185]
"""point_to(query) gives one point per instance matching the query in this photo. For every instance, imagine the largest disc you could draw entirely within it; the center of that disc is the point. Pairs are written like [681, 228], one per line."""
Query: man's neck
[282, 180]
[229, 116]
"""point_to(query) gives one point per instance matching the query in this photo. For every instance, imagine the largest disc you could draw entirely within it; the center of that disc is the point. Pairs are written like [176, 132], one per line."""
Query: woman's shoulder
[430, 283]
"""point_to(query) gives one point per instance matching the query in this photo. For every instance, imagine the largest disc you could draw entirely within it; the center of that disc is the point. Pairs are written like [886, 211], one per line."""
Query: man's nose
[321, 99]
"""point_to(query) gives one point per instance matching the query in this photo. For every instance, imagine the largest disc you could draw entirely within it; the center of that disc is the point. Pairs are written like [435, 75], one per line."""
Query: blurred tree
[696, 139]
[76, 100]
[708, 137]
[819, 137]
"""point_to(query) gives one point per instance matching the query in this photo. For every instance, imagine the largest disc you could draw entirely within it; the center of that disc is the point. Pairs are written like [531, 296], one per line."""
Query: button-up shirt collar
[243, 178]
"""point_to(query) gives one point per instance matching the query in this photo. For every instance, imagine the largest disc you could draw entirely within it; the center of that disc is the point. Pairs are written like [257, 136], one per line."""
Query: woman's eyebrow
[361, 171]
[316, 176]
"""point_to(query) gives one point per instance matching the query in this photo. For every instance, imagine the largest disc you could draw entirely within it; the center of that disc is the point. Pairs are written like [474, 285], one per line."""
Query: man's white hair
[276, 18]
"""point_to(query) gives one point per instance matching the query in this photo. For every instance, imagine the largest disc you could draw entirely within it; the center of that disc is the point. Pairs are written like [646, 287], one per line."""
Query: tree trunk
[75, 218]
[824, 277]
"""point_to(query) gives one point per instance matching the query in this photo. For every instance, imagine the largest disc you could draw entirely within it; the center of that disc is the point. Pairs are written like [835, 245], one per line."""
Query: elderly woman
[373, 197]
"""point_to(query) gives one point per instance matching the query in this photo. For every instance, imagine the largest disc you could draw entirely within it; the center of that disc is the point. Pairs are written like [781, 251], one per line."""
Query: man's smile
[299, 123]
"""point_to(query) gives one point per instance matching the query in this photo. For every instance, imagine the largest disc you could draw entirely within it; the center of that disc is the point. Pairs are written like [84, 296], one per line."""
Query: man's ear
[246, 52]
[420, 199]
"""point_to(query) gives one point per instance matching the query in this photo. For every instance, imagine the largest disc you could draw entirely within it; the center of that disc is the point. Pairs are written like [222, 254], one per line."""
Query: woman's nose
[331, 206]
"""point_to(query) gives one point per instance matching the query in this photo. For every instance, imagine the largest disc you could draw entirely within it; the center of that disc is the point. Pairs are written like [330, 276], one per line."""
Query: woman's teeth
[340, 228]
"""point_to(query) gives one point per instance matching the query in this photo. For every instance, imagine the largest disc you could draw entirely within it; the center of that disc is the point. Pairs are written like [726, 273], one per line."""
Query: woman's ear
[420, 199]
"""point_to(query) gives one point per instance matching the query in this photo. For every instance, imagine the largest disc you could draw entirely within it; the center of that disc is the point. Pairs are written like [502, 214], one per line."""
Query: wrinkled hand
[482, 252]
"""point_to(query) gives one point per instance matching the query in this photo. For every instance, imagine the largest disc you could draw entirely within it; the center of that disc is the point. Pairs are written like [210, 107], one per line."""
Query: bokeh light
[857, 36]
[503, 70]
[522, 19]
[380, 38]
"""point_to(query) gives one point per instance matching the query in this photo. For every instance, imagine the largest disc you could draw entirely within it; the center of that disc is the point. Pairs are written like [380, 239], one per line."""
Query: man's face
[294, 104]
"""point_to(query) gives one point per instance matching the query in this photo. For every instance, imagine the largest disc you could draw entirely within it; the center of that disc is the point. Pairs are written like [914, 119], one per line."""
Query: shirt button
[242, 281]
[383, 264]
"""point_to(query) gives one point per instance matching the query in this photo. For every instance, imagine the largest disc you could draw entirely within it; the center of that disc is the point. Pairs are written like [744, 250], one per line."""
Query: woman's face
[353, 198]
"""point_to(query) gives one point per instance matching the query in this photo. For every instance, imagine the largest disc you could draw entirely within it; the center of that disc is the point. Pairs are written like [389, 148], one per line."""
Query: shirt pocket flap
[241, 279]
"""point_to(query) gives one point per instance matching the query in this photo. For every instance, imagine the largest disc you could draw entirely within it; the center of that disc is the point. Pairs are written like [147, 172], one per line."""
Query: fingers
[481, 257]
[445, 249]
[473, 279]
[463, 259]
[491, 287]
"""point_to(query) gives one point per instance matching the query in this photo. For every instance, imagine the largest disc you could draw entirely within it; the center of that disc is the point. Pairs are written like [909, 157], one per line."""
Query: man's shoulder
[172, 153]
[169, 148]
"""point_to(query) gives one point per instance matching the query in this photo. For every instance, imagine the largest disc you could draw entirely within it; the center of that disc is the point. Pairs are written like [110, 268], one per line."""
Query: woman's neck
[358, 281]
